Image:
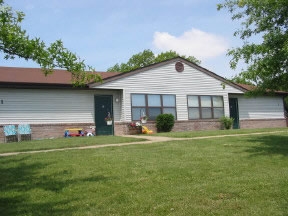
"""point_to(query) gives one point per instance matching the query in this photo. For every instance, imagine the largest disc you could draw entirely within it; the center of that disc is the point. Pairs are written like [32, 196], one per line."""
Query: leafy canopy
[147, 57]
[14, 41]
[268, 60]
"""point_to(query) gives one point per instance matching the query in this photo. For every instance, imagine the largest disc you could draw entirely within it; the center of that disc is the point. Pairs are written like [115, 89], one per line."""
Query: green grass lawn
[191, 134]
[245, 175]
[63, 143]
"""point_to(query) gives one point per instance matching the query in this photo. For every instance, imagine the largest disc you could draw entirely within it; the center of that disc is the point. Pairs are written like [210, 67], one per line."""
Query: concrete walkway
[150, 140]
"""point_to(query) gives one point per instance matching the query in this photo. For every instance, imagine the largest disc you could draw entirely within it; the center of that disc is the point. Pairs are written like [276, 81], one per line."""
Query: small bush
[165, 122]
[226, 122]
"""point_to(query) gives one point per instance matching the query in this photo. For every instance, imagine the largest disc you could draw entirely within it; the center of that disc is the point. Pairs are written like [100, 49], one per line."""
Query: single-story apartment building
[195, 96]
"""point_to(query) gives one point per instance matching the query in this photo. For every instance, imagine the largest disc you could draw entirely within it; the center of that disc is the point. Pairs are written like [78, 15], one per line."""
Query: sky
[103, 33]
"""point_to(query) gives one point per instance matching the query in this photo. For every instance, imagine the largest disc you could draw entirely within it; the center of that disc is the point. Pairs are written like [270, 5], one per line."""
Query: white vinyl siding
[36, 106]
[166, 80]
[265, 107]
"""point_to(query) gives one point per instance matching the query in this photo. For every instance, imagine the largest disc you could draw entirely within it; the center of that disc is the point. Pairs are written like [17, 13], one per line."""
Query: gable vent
[179, 66]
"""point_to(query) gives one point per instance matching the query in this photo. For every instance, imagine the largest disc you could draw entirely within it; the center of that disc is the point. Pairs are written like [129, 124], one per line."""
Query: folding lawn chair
[10, 133]
[24, 132]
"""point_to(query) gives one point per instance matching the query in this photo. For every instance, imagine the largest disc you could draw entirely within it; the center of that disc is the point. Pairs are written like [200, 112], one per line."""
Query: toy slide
[145, 130]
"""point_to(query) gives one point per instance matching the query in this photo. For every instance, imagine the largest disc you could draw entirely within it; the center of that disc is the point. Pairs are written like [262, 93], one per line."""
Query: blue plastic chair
[10, 133]
[24, 132]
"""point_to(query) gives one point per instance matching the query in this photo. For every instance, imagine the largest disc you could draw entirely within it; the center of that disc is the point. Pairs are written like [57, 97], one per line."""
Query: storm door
[234, 112]
[103, 109]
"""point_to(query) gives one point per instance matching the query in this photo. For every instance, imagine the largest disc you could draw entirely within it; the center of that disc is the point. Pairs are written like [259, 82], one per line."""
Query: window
[205, 107]
[152, 105]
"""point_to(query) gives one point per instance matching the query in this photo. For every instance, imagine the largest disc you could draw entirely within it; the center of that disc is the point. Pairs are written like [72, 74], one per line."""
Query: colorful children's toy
[145, 130]
[73, 132]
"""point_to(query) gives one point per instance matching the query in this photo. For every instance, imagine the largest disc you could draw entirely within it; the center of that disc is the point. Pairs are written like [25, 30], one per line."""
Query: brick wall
[263, 123]
[42, 131]
[196, 125]
[46, 131]
[122, 129]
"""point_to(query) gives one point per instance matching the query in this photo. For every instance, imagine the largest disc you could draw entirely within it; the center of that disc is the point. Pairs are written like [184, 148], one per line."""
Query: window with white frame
[205, 107]
[152, 105]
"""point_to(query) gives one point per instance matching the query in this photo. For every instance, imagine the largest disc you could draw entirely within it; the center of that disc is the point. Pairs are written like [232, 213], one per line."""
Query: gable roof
[252, 87]
[35, 76]
[246, 86]
[176, 59]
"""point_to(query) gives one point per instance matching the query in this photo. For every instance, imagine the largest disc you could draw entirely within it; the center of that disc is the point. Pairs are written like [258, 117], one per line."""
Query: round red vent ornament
[179, 67]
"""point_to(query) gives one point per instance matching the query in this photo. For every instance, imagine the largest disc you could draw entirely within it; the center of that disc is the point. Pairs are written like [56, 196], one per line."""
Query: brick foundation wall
[44, 131]
[122, 129]
[263, 123]
[196, 125]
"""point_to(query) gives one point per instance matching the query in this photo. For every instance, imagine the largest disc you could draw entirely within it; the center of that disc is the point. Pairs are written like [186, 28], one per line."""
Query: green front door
[234, 112]
[103, 108]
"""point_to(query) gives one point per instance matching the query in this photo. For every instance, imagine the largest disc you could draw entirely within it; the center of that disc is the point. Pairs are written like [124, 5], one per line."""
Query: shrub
[164, 122]
[226, 122]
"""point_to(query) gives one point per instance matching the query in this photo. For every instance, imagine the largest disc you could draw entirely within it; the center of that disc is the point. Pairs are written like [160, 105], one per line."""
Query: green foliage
[146, 58]
[226, 122]
[165, 122]
[267, 60]
[286, 101]
[172, 54]
[241, 79]
[286, 106]
[14, 41]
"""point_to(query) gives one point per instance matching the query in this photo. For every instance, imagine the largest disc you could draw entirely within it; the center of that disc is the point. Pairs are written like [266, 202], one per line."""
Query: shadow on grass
[269, 145]
[20, 205]
[21, 181]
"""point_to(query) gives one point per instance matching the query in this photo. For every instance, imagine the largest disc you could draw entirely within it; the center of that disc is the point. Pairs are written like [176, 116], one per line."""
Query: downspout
[124, 105]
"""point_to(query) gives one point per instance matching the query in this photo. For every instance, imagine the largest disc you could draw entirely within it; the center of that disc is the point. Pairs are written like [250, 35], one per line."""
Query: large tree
[15, 42]
[147, 57]
[267, 60]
